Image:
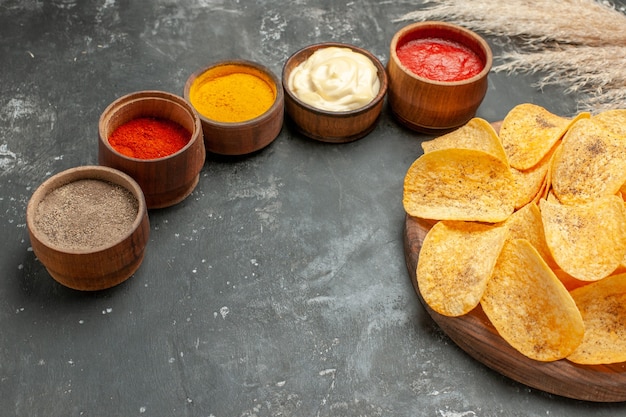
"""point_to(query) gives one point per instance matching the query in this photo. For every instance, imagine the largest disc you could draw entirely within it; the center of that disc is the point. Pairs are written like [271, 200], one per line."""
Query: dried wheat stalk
[579, 44]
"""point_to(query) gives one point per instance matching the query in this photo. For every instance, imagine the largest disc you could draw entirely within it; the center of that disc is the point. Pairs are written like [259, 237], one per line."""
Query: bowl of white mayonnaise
[334, 92]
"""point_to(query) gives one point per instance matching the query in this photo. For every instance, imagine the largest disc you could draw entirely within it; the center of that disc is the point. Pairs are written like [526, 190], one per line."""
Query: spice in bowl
[156, 138]
[335, 79]
[240, 106]
[149, 138]
[86, 214]
[440, 59]
[89, 227]
[232, 93]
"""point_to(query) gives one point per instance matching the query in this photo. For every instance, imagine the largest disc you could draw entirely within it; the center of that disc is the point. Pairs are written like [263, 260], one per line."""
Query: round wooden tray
[476, 336]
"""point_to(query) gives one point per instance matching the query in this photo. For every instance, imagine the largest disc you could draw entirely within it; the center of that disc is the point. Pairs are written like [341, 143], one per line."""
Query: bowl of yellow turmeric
[240, 104]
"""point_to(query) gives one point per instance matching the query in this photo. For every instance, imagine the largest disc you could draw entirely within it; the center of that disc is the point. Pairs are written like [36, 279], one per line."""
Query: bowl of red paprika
[240, 105]
[156, 138]
[438, 75]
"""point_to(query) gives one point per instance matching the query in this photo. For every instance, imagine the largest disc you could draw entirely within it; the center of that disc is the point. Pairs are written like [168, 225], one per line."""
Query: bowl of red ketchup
[438, 75]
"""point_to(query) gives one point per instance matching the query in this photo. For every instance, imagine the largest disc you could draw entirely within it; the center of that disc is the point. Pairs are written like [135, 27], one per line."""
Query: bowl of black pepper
[89, 227]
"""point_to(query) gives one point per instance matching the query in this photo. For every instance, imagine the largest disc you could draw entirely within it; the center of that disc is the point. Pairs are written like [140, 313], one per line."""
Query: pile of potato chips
[531, 226]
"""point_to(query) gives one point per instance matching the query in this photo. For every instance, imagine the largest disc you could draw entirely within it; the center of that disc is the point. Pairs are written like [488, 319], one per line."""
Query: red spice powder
[149, 138]
[439, 59]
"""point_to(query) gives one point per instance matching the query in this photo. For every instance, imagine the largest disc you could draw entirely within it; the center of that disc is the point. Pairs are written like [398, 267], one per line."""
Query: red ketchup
[439, 59]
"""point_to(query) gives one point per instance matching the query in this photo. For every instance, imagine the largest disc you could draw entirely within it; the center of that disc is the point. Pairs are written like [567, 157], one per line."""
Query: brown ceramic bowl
[165, 181]
[244, 136]
[430, 106]
[102, 257]
[326, 125]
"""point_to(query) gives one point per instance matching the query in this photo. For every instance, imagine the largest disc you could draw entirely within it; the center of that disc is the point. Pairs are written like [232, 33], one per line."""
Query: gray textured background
[278, 288]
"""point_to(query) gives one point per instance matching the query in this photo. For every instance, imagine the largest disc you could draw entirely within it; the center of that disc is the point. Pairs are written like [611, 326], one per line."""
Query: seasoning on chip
[529, 132]
[476, 134]
[602, 305]
[588, 241]
[529, 307]
[591, 164]
[451, 277]
[459, 184]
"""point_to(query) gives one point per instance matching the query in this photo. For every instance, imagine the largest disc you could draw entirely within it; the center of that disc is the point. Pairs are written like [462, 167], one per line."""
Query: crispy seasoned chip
[526, 223]
[622, 266]
[530, 184]
[529, 306]
[621, 269]
[588, 241]
[459, 184]
[455, 262]
[547, 187]
[476, 134]
[591, 164]
[614, 121]
[551, 198]
[602, 305]
[569, 281]
[530, 131]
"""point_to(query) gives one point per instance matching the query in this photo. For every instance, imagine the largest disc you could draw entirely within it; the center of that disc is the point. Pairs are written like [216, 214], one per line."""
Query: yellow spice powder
[231, 95]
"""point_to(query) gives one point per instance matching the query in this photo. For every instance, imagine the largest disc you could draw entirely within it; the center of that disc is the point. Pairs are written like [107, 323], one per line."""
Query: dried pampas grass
[577, 44]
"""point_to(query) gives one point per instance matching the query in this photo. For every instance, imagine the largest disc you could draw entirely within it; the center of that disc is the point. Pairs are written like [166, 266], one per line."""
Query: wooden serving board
[476, 336]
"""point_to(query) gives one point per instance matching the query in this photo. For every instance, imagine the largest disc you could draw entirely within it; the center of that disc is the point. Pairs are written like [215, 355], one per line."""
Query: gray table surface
[279, 287]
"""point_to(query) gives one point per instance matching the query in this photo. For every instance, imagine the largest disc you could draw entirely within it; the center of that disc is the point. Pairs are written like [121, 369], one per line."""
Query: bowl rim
[277, 105]
[446, 26]
[84, 172]
[142, 95]
[382, 77]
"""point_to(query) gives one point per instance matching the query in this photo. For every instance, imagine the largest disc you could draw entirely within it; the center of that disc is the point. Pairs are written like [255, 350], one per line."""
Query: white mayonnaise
[335, 79]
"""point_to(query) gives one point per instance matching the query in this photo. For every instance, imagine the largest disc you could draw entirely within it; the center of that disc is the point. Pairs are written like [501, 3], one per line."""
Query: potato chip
[613, 120]
[602, 305]
[551, 198]
[530, 184]
[542, 193]
[459, 184]
[592, 163]
[588, 241]
[622, 266]
[569, 282]
[529, 132]
[529, 307]
[547, 190]
[455, 263]
[476, 134]
[526, 223]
